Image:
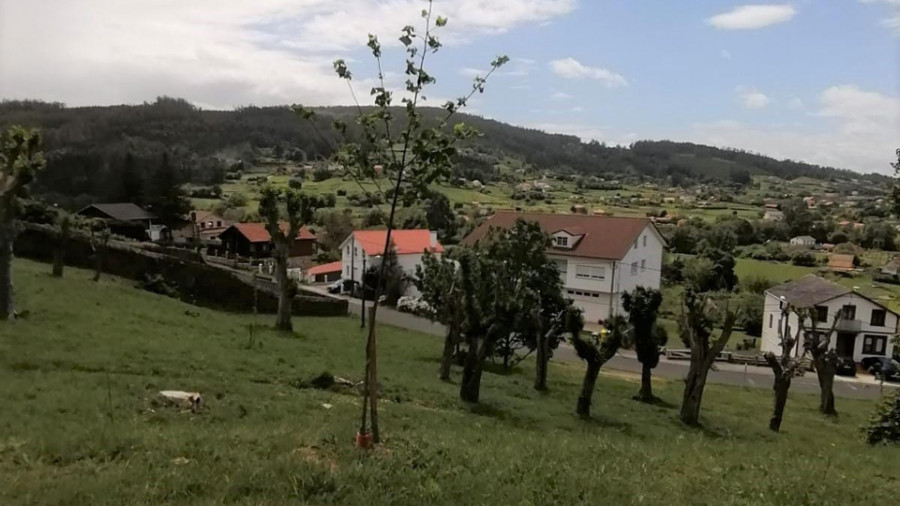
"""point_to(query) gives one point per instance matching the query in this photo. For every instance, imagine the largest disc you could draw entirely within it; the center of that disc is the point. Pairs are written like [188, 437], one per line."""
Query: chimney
[434, 240]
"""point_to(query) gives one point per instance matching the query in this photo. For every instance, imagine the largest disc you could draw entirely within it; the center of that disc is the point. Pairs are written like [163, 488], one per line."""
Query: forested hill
[87, 147]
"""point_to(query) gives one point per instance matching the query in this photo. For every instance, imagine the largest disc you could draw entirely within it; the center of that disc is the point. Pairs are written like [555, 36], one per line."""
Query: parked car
[340, 286]
[846, 366]
[885, 368]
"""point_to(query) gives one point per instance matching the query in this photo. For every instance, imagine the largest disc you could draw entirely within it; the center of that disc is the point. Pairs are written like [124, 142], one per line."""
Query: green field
[497, 195]
[80, 422]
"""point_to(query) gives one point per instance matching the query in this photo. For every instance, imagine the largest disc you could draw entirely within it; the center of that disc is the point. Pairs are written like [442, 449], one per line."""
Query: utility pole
[362, 295]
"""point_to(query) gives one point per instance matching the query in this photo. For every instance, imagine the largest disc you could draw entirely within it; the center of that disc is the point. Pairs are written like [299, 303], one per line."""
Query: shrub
[342, 193]
[414, 305]
[236, 200]
[329, 200]
[295, 183]
[884, 427]
[321, 174]
[804, 258]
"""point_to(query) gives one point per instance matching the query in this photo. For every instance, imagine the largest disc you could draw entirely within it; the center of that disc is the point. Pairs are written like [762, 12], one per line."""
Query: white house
[362, 249]
[806, 241]
[599, 257]
[865, 329]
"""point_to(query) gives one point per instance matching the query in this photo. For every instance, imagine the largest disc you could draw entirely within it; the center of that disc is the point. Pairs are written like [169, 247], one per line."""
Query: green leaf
[441, 21]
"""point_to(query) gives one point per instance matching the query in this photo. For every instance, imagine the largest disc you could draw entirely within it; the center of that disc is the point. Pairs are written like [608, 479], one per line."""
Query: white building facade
[599, 257]
[363, 249]
[866, 328]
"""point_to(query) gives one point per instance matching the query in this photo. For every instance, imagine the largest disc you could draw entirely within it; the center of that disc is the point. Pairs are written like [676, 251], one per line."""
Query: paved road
[862, 387]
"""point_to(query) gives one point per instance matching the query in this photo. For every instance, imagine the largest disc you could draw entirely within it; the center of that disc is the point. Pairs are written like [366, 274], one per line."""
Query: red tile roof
[405, 241]
[256, 232]
[606, 237]
[324, 269]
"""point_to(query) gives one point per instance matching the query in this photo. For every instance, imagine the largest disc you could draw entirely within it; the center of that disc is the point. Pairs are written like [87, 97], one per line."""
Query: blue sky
[815, 80]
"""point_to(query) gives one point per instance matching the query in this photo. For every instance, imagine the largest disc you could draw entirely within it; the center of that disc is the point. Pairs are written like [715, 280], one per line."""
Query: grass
[80, 424]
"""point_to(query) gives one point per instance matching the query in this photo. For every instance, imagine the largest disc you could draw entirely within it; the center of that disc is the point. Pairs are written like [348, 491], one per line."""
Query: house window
[635, 244]
[848, 312]
[348, 250]
[643, 265]
[821, 313]
[563, 267]
[562, 240]
[874, 345]
[771, 317]
[633, 268]
[645, 241]
[202, 224]
[590, 272]
[877, 318]
[218, 223]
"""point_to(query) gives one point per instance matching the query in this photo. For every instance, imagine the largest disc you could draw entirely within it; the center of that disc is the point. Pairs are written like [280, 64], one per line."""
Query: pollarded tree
[696, 326]
[64, 224]
[596, 351]
[440, 284]
[642, 305]
[411, 152]
[509, 288]
[785, 367]
[818, 345]
[20, 159]
[284, 212]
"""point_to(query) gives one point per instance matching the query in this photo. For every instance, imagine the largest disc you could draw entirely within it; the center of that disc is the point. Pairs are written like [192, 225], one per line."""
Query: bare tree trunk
[285, 301]
[826, 368]
[543, 357]
[782, 385]
[646, 393]
[587, 389]
[59, 261]
[470, 386]
[7, 310]
[694, 384]
[447, 356]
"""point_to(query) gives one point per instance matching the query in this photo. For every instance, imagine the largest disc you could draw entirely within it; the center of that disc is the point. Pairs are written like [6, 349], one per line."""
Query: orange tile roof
[324, 269]
[606, 237]
[256, 232]
[405, 241]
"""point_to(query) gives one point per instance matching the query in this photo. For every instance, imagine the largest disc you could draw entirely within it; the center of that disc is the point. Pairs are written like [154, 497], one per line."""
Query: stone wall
[196, 282]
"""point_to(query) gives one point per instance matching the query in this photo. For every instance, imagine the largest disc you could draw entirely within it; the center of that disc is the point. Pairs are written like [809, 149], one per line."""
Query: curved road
[862, 386]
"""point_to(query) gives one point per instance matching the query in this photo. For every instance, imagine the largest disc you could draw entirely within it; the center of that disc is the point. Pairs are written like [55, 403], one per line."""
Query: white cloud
[726, 55]
[570, 68]
[752, 99]
[795, 103]
[856, 129]
[471, 73]
[561, 95]
[218, 52]
[753, 17]
[892, 22]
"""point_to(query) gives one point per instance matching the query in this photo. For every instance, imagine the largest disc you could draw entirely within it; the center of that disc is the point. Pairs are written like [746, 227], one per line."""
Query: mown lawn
[80, 425]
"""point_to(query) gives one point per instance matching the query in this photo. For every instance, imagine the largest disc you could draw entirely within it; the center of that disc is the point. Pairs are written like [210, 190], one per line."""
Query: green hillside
[80, 424]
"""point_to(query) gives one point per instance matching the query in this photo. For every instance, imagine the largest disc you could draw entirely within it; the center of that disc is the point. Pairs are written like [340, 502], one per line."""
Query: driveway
[861, 387]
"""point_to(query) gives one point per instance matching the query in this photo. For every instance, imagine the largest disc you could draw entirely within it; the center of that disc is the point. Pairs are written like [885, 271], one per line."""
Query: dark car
[846, 366]
[885, 368]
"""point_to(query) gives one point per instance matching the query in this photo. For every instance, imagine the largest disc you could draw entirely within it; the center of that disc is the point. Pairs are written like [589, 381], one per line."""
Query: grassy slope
[78, 424]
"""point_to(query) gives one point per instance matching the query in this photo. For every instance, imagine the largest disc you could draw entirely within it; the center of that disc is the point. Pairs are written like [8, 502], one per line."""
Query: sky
[810, 80]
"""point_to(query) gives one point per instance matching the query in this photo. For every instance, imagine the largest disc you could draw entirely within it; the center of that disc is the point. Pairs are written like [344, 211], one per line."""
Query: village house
[806, 241]
[363, 249]
[207, 225]
[598, 257]
[865, 329]
[252, 240]
[127, 219]
[892, 268]
[841, 263]
[324, 273]
[773, 215]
